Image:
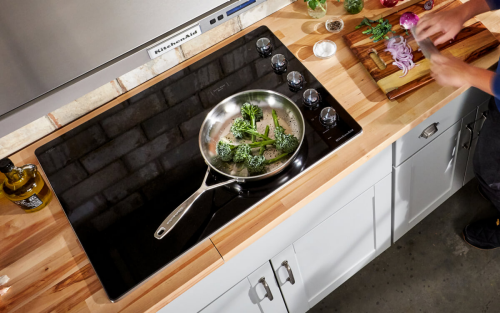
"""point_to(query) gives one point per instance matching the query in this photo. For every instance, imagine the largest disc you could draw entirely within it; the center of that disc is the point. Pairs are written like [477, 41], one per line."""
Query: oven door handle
[173, 218]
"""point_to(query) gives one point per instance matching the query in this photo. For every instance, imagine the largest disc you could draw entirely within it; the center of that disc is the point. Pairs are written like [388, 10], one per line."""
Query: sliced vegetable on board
[401, 53]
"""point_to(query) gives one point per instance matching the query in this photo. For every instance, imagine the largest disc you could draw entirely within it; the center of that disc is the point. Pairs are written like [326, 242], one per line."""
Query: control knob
[295, 81]
[279, 63]
[264, 47]
[328, 117]
[311, 98]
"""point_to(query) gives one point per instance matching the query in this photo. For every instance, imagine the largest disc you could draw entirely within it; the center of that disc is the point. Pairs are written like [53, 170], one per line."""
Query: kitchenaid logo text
[174, 41]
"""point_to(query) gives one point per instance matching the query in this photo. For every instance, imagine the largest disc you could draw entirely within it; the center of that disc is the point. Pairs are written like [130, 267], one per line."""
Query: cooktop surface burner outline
[120, 174]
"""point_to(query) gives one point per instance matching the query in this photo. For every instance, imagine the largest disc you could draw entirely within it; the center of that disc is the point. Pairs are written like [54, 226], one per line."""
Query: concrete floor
[430, 269]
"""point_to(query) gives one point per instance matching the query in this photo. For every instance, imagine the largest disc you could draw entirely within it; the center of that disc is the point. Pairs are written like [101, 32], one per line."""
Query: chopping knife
[426, 46]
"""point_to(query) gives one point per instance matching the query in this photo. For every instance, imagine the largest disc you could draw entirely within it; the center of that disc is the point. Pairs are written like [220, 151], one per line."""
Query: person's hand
[450, 71]
[449, 23]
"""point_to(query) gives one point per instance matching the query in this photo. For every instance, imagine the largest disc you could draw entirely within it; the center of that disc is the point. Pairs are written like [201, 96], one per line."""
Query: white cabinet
[258, 293]
[329, 254]
[434, 160]
[425, 180]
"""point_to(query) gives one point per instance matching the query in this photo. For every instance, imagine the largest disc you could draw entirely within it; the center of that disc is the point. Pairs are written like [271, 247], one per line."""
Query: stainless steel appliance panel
[46, 43]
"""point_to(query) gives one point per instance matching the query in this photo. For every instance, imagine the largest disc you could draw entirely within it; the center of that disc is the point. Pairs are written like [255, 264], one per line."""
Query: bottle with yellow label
[25, 186]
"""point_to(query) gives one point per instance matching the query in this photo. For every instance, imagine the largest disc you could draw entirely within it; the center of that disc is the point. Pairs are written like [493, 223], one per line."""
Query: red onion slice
[429, 5]
[401, 53]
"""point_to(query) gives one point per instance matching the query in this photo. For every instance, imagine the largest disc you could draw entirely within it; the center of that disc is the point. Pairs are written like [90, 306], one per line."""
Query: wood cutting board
[473, 41]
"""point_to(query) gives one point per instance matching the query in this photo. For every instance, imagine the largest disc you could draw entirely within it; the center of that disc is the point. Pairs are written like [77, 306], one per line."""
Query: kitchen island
[50, 270]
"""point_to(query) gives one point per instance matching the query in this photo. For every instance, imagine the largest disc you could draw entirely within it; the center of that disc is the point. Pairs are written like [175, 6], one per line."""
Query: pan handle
[173, 218]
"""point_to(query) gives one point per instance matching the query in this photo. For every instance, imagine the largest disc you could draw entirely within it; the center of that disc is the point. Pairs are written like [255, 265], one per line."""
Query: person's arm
[485, 80]
[476, 7]
[450, 22]
[449, 71]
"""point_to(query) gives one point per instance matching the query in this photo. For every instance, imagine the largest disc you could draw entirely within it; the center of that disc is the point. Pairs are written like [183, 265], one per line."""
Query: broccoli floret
[253, 114]
[256, 164]
[241, 153]
[279, 131]
[287, 143]
[284, 142]
[239, 127]
[225, 151]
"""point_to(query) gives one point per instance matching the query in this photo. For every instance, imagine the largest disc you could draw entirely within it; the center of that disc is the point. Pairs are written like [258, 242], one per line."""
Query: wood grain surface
[473, 42]
[48, 268]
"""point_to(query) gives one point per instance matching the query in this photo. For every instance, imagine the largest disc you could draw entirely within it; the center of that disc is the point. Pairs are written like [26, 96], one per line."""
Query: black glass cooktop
[120, 174]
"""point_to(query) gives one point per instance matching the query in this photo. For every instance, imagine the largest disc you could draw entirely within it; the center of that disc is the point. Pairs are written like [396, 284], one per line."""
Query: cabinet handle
[429, 131]
[467, 145]
[483, 117]
[268, 294]
[290, 278]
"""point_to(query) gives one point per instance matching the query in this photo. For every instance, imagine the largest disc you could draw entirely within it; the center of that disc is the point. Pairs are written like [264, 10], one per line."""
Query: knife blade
[426, 46]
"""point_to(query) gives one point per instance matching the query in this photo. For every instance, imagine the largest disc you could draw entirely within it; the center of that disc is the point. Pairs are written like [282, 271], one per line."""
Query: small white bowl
[324, 49]
[333, 20]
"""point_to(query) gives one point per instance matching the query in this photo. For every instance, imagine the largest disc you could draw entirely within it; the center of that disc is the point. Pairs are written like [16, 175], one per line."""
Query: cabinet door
[235, 299]
[425, 180]
[265, 292]
[258, 293]
[287, 272]
[341, 245]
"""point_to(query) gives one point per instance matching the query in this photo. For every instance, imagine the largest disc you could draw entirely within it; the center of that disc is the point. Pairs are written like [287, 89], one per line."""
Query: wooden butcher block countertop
[48, 268]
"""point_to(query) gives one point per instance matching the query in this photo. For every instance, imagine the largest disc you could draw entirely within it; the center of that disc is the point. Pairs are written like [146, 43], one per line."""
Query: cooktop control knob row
[328, 117]
[311, 98]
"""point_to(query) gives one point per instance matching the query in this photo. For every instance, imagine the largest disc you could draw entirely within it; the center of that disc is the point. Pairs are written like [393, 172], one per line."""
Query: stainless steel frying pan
[217, 126]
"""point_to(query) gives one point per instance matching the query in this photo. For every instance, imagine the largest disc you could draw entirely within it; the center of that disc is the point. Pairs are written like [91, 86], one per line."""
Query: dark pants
[487, 156]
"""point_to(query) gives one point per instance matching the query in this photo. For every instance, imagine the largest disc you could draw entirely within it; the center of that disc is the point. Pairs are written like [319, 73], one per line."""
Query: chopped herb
[378, 32]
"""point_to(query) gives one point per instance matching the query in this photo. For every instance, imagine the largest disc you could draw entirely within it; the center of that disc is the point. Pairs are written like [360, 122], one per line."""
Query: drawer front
[455, 110]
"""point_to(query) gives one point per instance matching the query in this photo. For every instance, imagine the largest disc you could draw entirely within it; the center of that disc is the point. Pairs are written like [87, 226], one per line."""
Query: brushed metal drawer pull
[290, 278]
[484, 117]
[429, 131]
[268, 294]
[467, 145]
